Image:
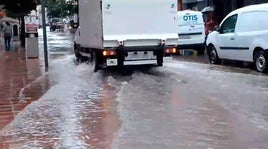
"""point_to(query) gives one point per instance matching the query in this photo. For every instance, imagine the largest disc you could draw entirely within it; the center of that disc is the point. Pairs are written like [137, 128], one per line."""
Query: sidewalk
[21, 82]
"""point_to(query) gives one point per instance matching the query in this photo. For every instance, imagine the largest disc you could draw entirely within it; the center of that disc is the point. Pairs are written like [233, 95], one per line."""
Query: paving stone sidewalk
[22, 81]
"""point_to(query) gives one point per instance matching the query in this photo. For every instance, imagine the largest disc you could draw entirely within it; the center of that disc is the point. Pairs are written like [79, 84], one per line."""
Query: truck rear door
[139, 22]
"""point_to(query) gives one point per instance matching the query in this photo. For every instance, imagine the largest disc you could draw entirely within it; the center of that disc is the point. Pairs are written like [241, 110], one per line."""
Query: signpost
[44, 32]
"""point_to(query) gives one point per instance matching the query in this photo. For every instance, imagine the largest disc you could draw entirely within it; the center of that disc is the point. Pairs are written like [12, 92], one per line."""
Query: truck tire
[79, 58]
[91, 56]
[160, 59]
[95, 61]
[159, 63]
[77, 55]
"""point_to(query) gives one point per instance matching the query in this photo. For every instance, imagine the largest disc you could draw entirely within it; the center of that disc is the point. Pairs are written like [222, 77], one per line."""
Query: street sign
[31, 28]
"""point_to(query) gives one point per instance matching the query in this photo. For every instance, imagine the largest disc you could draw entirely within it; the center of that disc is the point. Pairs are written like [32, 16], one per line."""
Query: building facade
[221, 7]
[196, 4]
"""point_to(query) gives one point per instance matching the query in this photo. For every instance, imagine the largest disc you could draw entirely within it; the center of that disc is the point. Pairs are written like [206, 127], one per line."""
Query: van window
[253, 21]
[228, 26]
[190, 19]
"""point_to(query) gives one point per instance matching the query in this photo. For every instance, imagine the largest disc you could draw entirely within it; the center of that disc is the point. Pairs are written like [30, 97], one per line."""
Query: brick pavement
[21, 82]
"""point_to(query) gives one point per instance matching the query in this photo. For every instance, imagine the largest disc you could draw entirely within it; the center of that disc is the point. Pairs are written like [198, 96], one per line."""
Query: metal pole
[44, 31]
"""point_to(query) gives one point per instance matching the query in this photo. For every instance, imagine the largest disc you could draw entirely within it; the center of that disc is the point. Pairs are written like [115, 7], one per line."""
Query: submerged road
[184, 104]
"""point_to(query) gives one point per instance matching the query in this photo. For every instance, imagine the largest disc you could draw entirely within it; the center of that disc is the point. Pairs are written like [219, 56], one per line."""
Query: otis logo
[190, 18]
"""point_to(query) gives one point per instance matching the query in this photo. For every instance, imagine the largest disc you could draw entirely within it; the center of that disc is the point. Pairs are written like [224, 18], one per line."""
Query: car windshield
[55, 20]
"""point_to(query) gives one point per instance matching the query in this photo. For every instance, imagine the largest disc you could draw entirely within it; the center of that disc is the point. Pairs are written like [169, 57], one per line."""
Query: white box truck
[126, 32]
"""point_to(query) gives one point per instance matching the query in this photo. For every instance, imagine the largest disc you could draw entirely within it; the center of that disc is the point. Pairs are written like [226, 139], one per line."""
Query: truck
[119, 33]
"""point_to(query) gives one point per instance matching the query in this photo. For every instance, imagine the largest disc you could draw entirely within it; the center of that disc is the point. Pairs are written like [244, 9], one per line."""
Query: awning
[191, 1]
[207, 9]
[9, 20]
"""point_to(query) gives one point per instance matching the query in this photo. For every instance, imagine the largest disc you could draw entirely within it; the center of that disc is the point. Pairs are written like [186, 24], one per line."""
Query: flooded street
[184, 104]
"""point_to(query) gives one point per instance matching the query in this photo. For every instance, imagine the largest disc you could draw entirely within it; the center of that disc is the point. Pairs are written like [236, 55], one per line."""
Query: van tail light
[170, 50]
[109, 53]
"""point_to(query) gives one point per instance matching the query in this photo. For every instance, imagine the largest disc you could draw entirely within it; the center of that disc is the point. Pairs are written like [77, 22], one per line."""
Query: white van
[191, 30]
[242, 36]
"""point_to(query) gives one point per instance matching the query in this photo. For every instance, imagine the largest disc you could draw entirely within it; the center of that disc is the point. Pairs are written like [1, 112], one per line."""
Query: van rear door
[190, 25]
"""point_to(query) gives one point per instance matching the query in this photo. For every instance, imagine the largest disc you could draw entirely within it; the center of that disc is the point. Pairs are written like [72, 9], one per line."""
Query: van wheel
[95, 61]
[261, 60]
[212, 55]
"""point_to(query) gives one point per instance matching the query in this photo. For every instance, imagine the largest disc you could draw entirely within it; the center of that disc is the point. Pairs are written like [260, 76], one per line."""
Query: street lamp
[44, 32]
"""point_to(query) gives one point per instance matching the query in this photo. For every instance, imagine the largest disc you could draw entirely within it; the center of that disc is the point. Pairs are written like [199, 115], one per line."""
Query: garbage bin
[31, 41]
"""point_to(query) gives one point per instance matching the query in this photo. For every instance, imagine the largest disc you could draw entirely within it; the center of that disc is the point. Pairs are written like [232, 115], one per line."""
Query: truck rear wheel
[77, 56]
[80, 58]
[160, 59]
[95, 61]
[159, 63]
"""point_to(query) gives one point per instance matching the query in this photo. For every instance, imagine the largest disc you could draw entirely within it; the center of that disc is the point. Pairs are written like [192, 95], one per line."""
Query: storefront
[223, 7]
[195, 4]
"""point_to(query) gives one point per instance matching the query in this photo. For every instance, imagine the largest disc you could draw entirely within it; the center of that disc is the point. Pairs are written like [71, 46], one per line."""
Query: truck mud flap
[120, 57]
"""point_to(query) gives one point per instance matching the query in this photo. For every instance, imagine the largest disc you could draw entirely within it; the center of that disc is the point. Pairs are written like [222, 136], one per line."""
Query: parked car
[60, 26]
[54, 23]
[241, 36]
[191, 30]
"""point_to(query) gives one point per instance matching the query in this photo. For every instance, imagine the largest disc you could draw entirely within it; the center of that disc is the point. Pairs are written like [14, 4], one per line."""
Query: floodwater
[180, 105]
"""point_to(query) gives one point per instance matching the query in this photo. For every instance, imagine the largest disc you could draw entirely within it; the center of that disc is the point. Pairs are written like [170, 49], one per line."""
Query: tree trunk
[22, 31]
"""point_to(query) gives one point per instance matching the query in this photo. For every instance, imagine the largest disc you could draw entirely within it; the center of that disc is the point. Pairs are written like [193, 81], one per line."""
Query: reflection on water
[74, 113]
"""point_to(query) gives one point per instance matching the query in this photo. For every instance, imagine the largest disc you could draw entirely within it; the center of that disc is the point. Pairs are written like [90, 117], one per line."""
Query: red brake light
[170, 50]
[109, 53]
[104, 53]
[167, 50]
[174, 50]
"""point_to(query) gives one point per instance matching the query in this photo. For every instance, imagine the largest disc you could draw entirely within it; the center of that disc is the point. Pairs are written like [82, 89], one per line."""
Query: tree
[21, 7]
[61, 8]
[72, 7]
[18, 9]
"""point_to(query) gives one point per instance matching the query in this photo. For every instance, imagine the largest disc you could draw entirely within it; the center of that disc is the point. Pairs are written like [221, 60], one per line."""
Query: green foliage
[61, 8]
[19, 7]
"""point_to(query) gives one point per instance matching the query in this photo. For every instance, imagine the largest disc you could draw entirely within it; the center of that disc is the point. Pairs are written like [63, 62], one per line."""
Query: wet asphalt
[187, 103]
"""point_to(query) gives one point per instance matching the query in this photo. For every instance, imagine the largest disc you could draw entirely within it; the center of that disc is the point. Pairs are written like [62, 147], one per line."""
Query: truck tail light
[109, 53]
[170, 50]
